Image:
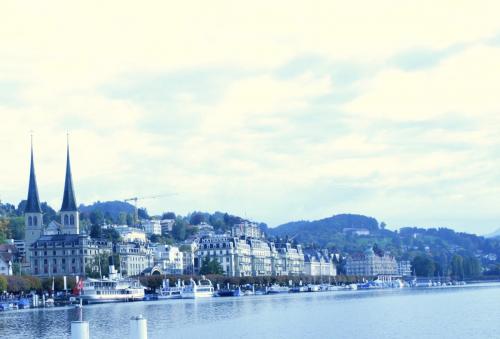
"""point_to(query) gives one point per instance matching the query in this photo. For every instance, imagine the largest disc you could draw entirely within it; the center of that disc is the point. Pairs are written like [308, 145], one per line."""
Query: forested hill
[337, 232]
[323, 231]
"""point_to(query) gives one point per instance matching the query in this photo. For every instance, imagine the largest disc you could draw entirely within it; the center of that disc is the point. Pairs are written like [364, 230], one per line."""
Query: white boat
[167, 292]
[275, 289]
[313, 288]
[111, 289]
[170, 293]
[202, 289]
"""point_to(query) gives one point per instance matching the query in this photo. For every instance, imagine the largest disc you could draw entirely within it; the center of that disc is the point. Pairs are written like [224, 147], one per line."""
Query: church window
[71, 220]
[30, 221]
[35, 221]
[66, 221]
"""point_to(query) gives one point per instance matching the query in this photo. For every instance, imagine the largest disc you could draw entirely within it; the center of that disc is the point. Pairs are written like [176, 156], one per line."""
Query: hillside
[325, 231]
[494, 235]
[110, 209]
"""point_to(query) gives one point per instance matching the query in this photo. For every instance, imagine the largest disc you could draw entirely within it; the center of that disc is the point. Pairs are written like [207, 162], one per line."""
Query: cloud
[280, 110]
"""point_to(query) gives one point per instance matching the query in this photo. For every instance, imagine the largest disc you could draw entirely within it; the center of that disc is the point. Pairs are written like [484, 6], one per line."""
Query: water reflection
[361, 314]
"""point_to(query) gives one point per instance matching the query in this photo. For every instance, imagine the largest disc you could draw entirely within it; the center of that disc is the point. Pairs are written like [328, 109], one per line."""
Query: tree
[197, 218]
[457, 266]
[96, 231]
[179, 229]
[96, 217]
[16, 228]
[168, 215]
[3, 284]
[122, 218]
[423, 266]
[111, 234]
[3, 230]
[211, 267]
[142, 213]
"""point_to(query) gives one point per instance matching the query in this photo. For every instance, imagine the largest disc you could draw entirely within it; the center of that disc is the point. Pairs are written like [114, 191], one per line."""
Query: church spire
[69, 201]
[33, 200]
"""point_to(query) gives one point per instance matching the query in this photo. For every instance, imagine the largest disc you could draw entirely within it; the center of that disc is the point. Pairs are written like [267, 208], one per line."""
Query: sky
[275, 111]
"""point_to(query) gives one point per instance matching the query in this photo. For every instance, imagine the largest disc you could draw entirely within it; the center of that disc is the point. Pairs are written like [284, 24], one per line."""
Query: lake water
[461, 312]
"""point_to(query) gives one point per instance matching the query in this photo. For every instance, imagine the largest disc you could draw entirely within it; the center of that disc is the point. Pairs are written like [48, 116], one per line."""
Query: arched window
[71, 219]
[30, 221]
[66, 221]
[35, 221]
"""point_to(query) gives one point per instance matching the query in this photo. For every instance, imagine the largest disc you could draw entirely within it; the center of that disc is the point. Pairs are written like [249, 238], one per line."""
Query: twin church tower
[33, 215]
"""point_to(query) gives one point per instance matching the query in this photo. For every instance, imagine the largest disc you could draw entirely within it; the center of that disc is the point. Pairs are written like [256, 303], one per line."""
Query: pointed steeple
[33, 201]
[69, 201]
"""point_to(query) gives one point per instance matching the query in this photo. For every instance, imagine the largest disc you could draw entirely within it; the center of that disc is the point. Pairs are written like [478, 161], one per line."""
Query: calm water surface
[462, 312]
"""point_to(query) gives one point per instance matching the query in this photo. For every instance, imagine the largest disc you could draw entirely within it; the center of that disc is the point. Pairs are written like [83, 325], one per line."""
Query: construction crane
[135, 199]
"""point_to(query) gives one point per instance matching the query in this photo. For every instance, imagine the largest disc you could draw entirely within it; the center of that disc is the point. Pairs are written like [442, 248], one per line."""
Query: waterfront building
[277, 265]
[261, 258]
[371, 264]
[292, 258]
[66, 254]
[317, 263]
[152, 226]
[233, 253]
[169, 259]
[404, 268]
[58, 249]
[135, 257]
[189, 258]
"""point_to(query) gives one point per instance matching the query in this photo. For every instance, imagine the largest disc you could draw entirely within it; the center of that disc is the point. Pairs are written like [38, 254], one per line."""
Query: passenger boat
[275, 289]
[111, 289]
[168, 292]
[202, 289]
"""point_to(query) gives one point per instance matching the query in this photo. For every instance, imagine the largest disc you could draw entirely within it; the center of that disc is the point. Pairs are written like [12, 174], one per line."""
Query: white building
[166, 226]
[261, 258]
[169, 258]
[371, 264]
[247, 229]
[292, 259]
[404, 268]
[317, 263]
[130, 234]
[189, 259]
[134, 258]
[234, 254]
[5, 264]
[152, 226]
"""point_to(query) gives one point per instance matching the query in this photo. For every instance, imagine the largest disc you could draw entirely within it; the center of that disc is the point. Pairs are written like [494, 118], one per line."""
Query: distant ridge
[495, 234]
[321, 231]
[110, 208]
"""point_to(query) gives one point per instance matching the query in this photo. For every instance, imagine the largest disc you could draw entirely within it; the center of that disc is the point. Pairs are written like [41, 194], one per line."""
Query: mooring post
[80, 330]
[138, 327]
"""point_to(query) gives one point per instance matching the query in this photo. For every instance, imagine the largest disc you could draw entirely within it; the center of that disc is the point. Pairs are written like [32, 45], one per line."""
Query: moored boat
[275, 289]
[202, 289]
